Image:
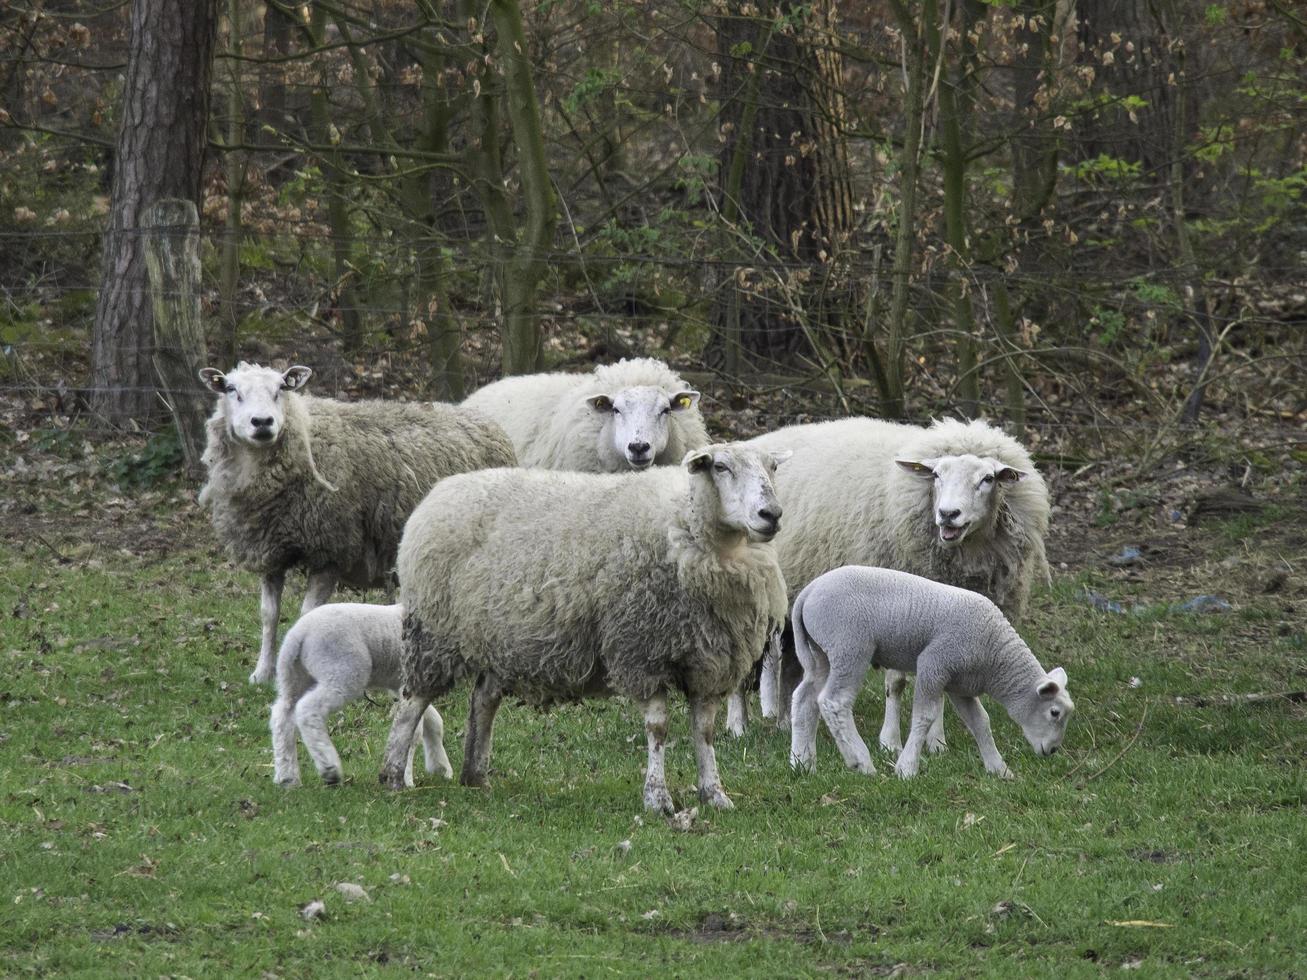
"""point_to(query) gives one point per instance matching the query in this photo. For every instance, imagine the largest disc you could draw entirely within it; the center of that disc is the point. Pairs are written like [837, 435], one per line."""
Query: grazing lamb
[326, 485]
[957, 502]
[629, 415]
[330, 657]
[560, 586]
[957, 642]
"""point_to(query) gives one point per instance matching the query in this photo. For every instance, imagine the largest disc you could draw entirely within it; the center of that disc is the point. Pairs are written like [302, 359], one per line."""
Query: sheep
[629, 415]
[561, 586]
[330, 657]
[295, 480]
[957, 642]
[957, 502]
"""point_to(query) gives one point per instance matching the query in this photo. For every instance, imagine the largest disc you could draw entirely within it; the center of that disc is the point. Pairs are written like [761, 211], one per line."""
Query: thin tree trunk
[234, 164]
[160, 153]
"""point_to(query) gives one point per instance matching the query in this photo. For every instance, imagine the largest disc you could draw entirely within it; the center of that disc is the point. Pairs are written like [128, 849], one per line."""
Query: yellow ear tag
[683, 401]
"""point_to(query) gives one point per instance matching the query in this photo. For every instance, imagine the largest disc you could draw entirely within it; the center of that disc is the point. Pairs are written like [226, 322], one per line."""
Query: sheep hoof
[444, 768]
[936, 745]
[904, 771]
[477, 779]
[735, 728]
[658, 800]
[1004, 773]
[716, 797]
[392, 780]
[331, 776]
[288, 782]
[892, 747]
[261, 677]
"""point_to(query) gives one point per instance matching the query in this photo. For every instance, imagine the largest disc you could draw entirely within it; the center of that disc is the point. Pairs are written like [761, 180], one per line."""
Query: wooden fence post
[172, 258]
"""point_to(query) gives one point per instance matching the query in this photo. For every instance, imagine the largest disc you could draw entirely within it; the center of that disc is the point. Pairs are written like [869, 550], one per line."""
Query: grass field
[141, 833]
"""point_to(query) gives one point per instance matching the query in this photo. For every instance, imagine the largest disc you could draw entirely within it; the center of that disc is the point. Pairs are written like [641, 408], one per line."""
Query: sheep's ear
[684, 399]
[781, 456]
[1054, 682]
[213, 379]
[920, 468]
[600, 403]
[1007, 474]
[697, 460]
[296, 377]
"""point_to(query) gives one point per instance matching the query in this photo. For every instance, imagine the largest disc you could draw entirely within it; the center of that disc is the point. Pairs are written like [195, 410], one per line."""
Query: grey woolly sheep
[331, 656]
[322, 484]
[560, 586]
[956, 641]
[957, 502]
[629, 415]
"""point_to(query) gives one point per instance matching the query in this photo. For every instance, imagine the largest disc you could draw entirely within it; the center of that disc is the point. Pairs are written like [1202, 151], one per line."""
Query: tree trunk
[784, 185]
[160, 153]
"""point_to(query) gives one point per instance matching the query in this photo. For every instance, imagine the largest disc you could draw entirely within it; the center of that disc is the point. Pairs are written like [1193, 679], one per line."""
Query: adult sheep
[298, 481]
[625, 416]
[957, 502]
[560, 586]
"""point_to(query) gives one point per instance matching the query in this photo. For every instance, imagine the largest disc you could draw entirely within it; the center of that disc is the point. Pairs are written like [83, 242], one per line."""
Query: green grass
[141, 834]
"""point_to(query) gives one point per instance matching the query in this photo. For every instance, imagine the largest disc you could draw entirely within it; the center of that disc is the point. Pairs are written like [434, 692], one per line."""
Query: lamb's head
[1044, 712]
[736, 480]
[966, 494]
[251, 399]
[636, 423]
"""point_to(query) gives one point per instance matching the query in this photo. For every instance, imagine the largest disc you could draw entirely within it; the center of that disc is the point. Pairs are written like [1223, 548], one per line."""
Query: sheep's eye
[721, 467]
[616, 411]
[230, 389]
[987, 479]
[665, 411]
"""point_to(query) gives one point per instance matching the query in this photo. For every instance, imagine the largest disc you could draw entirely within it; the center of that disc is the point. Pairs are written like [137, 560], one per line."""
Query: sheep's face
[252, 402]
[966, 494]
[742, 478]
[1045, 712]
[636, 424]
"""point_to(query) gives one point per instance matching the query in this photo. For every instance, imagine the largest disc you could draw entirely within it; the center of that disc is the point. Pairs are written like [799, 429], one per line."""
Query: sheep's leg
[835, 701]
[269, 613]
[405, 718]
[482, 706]
[891, 729]
[285, 751]
[974, 716]
[927, 706]
[433, 743]
[318, 590]
[803, 705]
[737, 709]
[656, 796]
[935, 742]
[311, 713]
[769, 682]
[703, 718]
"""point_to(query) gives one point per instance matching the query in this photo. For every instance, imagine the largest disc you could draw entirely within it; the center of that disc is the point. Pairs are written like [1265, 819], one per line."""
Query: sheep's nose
[949, 515]
[772, 514]
[637, 448]
[262, 423]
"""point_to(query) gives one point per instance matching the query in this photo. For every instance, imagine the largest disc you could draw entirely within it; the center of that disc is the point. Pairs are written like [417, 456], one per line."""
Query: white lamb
[956, 641]
[322, 484]
[629, 415]
[560, 586]
[957, 502]
[331, 656]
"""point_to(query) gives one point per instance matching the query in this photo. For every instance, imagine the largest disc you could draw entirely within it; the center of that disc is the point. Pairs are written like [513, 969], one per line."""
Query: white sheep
[560, 586]
[629, 415]
[956, 641]
[325, 485]
[331, 656]
[957, 502]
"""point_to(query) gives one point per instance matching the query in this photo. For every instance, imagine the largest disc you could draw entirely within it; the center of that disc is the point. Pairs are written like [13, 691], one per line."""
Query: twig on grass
[1133, 738]
[1225, 700]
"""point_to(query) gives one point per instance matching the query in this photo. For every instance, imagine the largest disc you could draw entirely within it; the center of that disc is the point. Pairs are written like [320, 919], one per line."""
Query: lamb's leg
[927, 706]
[891, 729]
[311, 713]
[269, 613]
[405, 718]
[656, 797]
[433, 744]
[935, 742]
[835, 700]
[703, 717]
[974, 716]
[769, 681]
[285, 751]
[803, 706]
[318, 590]
[482, 706]
[737, 709]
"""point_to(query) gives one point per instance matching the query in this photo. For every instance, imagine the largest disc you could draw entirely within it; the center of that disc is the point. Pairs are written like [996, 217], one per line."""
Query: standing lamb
[325, 485]
[559, 586]
[331, 656]
[629, 415]
[957, 642]
[957, 502]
